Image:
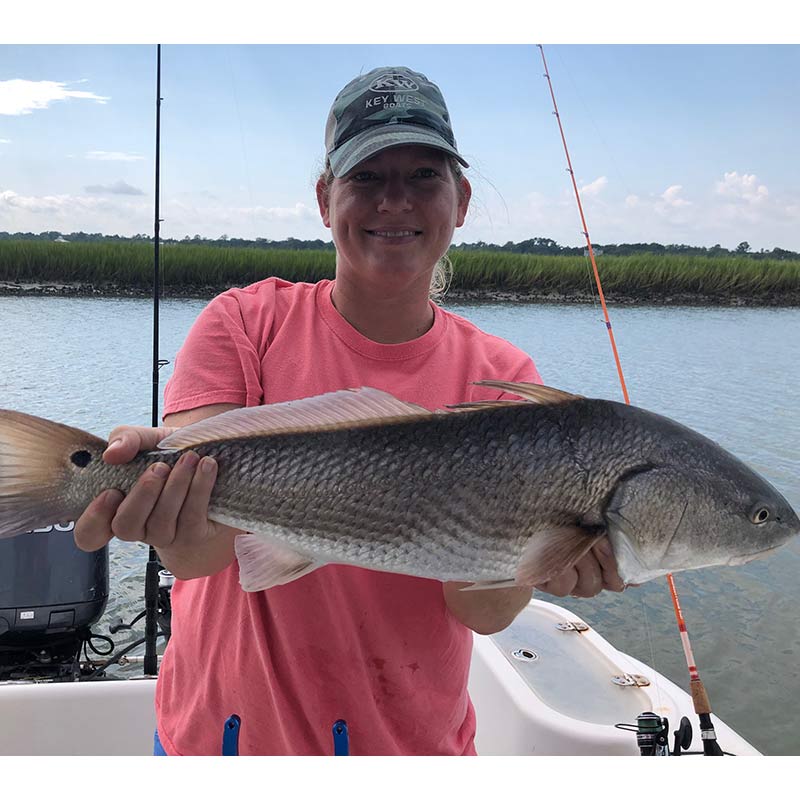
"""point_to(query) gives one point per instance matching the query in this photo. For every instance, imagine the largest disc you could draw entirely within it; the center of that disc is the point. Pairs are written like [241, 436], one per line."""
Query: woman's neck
[386, 319]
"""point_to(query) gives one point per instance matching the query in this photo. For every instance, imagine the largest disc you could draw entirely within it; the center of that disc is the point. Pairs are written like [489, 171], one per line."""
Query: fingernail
[114, 444]
[605, 548]
[190, 459]
[208, 465]
[160, 469]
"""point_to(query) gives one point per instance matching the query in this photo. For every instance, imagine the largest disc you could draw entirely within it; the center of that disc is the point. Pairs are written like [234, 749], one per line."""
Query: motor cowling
[50, 591]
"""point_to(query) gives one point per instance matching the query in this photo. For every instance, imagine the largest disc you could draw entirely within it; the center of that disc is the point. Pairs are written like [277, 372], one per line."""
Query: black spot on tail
[80, 458]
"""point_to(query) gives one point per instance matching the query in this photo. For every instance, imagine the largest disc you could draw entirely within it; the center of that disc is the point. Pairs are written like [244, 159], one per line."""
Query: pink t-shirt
[379, 650]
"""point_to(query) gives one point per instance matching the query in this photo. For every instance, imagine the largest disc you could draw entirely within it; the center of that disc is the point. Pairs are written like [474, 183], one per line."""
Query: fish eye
[80, 458]
[759, 515]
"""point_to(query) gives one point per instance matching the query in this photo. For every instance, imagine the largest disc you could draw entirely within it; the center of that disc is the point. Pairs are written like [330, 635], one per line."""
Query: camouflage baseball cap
[386, 107]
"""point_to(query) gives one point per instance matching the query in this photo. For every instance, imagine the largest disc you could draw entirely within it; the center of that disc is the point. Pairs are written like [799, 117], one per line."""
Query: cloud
[19, 96]
[594, 188]
[297, 211]
[741, 187]
[120, 214]
[120, 187]
[670, 197]
[664, 216]
[5, 141]
[105, 155]
[43, 204]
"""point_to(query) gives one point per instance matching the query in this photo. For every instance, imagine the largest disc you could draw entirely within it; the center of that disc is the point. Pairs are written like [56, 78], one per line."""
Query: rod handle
[699, 697]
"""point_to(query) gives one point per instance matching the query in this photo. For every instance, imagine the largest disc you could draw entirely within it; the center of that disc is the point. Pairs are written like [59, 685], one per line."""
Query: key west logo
[389, 82]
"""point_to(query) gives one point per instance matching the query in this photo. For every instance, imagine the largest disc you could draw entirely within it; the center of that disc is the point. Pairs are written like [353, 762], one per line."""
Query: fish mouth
[735, 561]
[634, 570]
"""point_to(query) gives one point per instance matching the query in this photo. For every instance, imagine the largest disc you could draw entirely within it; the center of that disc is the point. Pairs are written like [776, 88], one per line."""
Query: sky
[679, 144]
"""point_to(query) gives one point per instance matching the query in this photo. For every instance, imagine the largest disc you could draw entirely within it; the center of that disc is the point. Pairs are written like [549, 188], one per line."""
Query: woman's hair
[443, 271]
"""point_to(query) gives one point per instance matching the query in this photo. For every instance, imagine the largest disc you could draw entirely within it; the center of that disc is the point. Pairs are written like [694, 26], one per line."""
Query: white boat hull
[562, 702]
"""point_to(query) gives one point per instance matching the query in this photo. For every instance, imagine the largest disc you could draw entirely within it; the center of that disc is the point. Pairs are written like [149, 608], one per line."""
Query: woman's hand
[491, 610]
[588, 576]
[166, 508]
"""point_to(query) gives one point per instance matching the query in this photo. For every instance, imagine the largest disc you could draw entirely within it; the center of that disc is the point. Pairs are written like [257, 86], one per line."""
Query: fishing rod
[153, 564]
[702, 706]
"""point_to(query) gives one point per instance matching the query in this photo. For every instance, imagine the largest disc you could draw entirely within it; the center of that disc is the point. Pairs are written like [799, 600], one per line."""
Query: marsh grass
[641, 274]
[130, 264]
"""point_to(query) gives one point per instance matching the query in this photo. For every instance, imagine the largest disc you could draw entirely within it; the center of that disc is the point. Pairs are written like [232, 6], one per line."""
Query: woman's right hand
[167, 508]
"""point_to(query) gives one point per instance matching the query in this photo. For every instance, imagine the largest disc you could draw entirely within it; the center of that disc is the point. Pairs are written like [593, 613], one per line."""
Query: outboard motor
[50, 594]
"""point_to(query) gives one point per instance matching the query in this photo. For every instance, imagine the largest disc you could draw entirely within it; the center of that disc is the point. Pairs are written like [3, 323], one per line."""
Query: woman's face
[392, 217]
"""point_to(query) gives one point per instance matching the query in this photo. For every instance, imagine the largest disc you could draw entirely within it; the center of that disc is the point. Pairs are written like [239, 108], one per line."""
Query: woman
[388, 653]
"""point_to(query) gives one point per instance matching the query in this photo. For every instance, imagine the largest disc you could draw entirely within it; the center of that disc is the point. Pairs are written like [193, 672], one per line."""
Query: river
[731, 373]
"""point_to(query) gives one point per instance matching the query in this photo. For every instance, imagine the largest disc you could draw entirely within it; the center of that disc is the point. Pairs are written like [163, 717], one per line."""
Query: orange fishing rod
[700, 700]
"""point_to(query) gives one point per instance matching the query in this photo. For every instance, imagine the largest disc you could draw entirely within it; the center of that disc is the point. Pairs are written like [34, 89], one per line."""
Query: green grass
[130, 264]
[641, 274]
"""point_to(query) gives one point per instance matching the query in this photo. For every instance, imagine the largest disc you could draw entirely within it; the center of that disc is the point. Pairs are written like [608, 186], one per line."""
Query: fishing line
[649, 634]
[592, 288]
[585, 232]
[699, 697]
[587, 113]
[247, 173]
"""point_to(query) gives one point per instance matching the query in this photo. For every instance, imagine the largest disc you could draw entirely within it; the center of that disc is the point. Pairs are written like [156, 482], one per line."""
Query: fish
[494, 493]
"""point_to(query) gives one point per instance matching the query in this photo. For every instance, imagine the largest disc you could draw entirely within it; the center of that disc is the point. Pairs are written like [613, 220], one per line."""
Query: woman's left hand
[588, 576]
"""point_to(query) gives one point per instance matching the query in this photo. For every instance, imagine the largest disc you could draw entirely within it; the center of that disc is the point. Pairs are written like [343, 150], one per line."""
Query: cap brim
[371, 141]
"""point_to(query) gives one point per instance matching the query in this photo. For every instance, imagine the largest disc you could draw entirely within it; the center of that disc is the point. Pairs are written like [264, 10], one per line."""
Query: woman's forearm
[200, 560]
[485, 610]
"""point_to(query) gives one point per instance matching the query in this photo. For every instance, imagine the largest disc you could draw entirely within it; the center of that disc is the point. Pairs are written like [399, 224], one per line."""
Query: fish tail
[37, 458]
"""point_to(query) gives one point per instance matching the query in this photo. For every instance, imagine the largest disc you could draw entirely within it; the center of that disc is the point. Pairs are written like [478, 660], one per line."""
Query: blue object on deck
[230, 736]
[341, 742]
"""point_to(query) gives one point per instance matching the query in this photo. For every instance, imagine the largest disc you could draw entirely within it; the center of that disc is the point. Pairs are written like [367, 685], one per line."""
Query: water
[732, 374]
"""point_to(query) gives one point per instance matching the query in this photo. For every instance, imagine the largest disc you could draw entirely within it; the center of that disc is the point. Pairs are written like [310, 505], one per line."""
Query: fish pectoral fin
[533, 392]
[264, 563]
[511, 583]
[551, 551]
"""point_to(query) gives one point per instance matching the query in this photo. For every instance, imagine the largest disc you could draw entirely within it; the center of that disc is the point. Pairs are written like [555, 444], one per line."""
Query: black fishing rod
[153, 564]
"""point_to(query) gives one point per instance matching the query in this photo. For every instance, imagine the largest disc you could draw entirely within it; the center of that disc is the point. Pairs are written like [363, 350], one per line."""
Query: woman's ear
[463, 201]
[322, 201]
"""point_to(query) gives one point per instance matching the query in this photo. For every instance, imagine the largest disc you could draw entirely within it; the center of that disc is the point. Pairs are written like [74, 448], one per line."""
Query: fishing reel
[652, 734]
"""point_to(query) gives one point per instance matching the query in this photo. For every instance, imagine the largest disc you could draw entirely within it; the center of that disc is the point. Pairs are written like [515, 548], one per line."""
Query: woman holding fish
[387, 652]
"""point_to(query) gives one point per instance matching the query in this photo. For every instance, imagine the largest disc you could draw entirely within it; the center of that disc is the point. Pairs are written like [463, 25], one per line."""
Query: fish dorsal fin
[477, 405]
[345, 408]
[534, 392]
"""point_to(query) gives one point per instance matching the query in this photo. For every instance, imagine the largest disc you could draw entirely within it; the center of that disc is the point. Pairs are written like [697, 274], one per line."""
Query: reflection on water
[731, 373]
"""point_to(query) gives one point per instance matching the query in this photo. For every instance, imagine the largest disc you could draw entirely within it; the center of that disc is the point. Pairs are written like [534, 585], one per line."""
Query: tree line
[538, 245]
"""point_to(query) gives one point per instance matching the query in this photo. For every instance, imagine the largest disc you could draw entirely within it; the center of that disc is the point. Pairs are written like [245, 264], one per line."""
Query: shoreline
[453, 296]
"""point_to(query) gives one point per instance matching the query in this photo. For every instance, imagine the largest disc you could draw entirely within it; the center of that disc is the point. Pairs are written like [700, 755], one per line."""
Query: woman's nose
[394, 196]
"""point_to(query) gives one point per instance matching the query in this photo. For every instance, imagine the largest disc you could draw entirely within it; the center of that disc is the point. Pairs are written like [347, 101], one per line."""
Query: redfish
[496, 493]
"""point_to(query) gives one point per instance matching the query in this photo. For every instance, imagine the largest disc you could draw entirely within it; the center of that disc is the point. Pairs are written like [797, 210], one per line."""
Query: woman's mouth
[395, 234]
